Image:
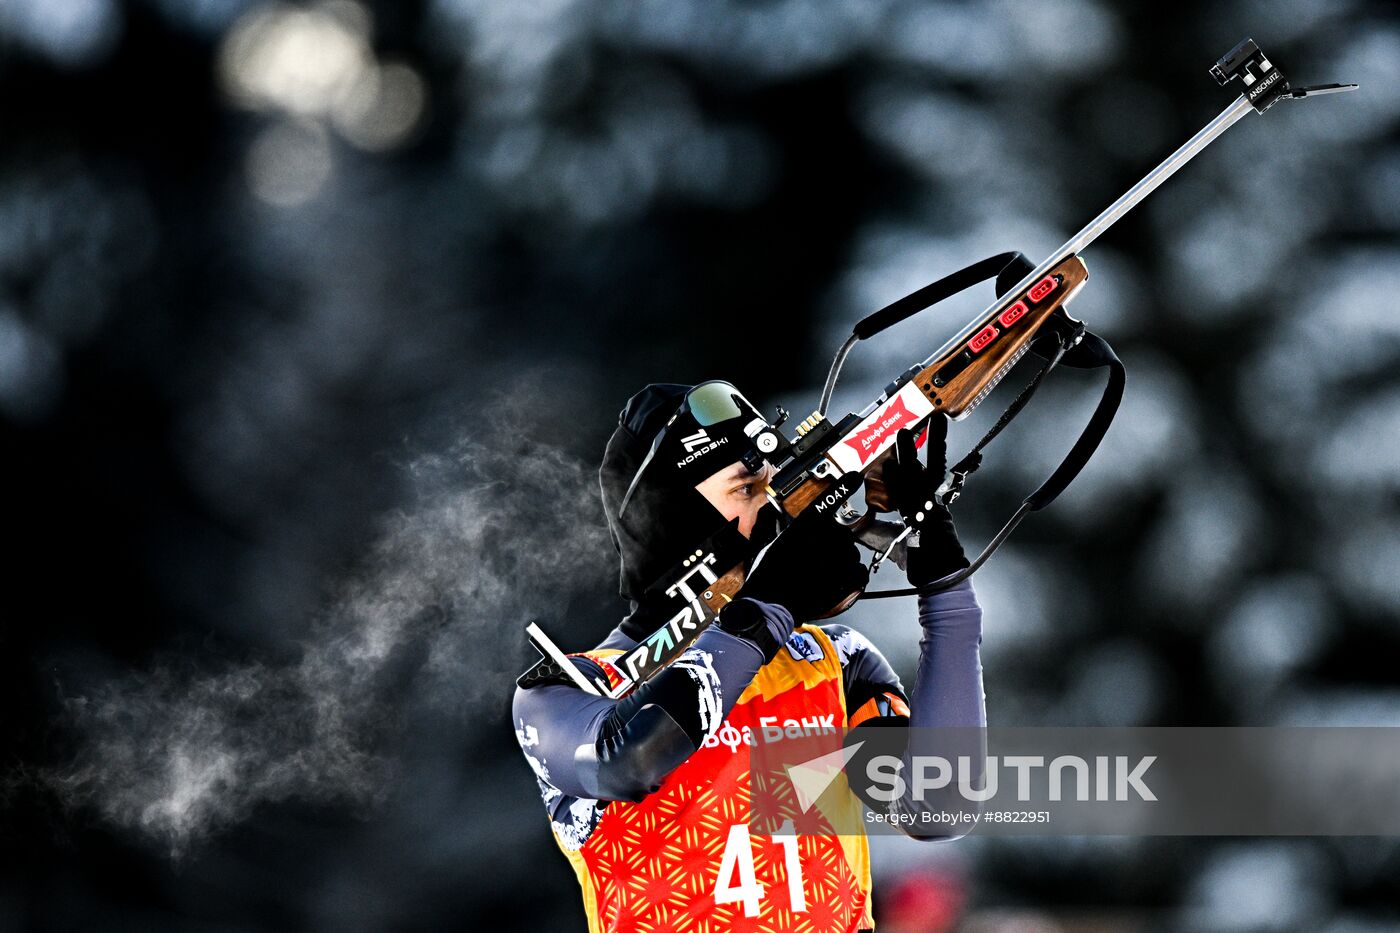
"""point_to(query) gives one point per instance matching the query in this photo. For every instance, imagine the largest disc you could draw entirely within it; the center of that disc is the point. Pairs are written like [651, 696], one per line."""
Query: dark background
[313, 321]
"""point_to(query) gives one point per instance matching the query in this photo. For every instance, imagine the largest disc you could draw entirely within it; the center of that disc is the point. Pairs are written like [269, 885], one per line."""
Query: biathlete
[648, 795]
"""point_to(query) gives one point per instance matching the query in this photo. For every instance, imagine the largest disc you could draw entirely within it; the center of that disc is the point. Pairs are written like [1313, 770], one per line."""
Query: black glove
[914, 491]
[811, 567]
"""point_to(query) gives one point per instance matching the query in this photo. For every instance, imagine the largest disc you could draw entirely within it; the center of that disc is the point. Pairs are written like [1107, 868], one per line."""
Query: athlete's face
[738, 493]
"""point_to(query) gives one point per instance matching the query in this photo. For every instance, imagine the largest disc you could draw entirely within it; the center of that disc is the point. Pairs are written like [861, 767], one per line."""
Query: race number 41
[738, 860]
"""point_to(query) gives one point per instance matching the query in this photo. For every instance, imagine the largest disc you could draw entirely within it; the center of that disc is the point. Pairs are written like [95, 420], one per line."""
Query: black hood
[664, 517]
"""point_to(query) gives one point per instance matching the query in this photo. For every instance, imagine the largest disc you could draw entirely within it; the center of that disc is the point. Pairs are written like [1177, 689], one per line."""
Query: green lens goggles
[712, 402]
[709, 403]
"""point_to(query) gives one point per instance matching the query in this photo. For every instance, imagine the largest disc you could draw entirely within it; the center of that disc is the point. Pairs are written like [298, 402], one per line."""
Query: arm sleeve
[948, 712]
[594, 747]
[948, 684]
[946, 708]
[948, 687]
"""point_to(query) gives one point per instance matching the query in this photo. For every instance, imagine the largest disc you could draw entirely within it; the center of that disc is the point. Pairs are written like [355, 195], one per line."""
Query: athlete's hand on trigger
[914, 490]
[811, 567]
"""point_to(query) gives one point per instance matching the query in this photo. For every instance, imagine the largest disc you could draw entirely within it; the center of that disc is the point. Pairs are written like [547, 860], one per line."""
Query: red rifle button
[1012, 314]
[1042, 288]
[985, 336]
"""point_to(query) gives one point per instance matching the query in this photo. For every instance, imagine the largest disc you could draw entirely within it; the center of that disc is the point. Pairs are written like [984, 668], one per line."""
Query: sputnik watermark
[1111, 775]
[1154, 781]
[931, 779]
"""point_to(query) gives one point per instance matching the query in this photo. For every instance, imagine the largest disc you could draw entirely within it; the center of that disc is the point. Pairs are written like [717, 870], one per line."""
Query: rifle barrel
[1111, 214]
[1161, 173]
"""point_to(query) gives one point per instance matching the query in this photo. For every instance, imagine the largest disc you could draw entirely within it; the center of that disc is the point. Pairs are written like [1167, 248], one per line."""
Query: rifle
[820, 469]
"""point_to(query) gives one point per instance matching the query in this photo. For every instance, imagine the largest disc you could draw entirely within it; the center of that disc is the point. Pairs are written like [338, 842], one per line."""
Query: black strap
[1001, 265]
[1076, 348]
[1090, 352]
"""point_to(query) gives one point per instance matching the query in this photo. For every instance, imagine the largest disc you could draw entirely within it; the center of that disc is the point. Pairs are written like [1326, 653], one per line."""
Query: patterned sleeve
[594, 747]
[874, 695]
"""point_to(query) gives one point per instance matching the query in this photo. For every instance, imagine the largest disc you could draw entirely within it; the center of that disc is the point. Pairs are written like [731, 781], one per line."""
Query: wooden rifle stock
[964, 374]
[957, 381]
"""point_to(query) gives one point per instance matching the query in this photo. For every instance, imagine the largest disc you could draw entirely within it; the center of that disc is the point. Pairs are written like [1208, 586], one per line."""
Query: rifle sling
[1090, 352]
